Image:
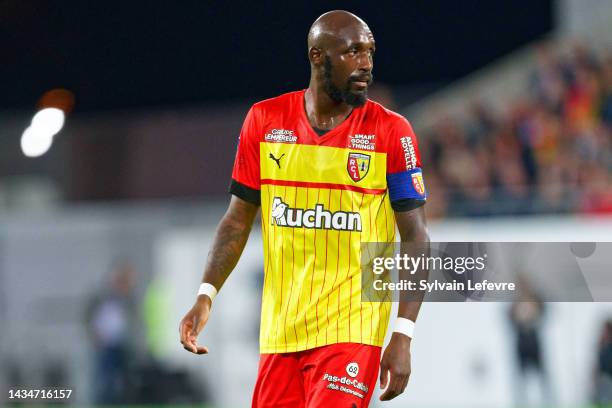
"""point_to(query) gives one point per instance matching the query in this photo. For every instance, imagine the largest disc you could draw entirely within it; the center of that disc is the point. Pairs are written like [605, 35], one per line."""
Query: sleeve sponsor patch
[409, 152]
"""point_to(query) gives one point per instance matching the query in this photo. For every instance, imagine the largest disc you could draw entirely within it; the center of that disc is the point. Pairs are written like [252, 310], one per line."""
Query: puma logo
[277, 160]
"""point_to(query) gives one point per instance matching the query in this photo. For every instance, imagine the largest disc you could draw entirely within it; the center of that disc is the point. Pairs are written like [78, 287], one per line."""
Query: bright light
[49, 121]
[35, 141]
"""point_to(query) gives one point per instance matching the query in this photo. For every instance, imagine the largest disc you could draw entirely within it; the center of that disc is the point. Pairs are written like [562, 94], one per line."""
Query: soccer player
[330, 169]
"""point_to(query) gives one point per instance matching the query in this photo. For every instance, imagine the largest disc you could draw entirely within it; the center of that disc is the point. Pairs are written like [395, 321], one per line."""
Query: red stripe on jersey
[370, 303]
[292, 275]
[336, 277]
[314, 266]
[361, 303]
[325, 274]
[348, 270]
[304, 248]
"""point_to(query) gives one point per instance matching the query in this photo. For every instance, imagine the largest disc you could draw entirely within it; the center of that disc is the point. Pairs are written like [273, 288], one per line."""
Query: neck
[322, 111]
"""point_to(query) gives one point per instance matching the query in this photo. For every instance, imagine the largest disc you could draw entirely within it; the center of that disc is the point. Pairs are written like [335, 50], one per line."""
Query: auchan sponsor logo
[317, 217]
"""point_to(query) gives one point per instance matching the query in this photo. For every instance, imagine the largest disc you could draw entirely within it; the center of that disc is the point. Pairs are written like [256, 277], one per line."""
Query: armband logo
[417, 182]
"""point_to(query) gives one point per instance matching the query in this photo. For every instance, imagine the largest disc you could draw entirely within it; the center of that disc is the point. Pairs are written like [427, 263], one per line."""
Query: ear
[315, 55]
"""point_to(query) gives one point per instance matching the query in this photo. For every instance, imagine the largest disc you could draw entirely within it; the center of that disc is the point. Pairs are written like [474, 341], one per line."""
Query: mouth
[362, 82]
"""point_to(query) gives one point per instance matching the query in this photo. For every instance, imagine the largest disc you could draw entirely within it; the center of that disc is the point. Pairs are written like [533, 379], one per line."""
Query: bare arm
[413, 229]
[229, 242]
[396, 358]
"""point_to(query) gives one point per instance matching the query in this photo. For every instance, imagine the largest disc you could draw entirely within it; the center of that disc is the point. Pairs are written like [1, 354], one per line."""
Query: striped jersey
[321, 197]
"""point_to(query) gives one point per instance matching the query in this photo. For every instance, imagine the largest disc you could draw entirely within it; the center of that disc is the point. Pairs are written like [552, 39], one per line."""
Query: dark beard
[341, 95]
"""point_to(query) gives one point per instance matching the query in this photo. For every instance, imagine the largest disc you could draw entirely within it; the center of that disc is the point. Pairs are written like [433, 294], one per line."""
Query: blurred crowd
[551, 152]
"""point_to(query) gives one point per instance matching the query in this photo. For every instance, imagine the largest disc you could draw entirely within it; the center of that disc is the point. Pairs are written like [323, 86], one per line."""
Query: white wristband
[208, 290]
[404, 326]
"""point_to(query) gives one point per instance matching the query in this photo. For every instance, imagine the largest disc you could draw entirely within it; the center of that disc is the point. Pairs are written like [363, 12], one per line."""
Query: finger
[190, 348]
[196, 328]
[384, 376]
[394, 388]
[201, 350]
[388, 394]
[185, 329]
[405, 383]
[189, 343]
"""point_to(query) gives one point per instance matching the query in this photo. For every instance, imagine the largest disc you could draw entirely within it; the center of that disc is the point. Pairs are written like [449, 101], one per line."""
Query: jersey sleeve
[245, 175]
[404, 174]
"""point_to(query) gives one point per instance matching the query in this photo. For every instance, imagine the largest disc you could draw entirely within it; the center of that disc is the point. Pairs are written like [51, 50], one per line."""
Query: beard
[341, 95]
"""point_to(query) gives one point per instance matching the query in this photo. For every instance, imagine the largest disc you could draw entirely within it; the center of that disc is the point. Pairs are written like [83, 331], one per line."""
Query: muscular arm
[412, 228]
[230, 239]
[396, 358]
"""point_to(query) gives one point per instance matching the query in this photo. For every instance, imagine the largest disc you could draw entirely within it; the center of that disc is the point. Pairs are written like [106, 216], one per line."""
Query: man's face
[347, 70]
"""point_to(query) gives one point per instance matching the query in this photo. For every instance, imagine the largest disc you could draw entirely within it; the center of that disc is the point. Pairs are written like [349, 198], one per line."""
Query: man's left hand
[396, 362]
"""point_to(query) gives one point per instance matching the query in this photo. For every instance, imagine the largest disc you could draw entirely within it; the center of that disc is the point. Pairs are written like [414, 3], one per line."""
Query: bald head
[334, 26]
[341, 50]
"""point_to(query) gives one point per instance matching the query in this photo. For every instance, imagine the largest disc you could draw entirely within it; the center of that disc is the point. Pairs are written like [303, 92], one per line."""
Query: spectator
[110, 319]
[526, 317]
[552, 153]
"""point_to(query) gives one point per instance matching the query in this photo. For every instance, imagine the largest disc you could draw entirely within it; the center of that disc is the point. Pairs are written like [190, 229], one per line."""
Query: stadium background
[512, 104]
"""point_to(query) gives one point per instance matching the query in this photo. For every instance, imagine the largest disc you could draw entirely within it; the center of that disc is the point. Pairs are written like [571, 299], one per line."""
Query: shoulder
[278, 103]
[387, 118]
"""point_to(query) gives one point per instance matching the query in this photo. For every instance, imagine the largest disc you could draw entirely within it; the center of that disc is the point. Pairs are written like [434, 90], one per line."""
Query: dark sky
[134, 54]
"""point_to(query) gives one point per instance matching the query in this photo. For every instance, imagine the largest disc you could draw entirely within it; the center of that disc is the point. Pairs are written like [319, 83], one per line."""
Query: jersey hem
[294, 348]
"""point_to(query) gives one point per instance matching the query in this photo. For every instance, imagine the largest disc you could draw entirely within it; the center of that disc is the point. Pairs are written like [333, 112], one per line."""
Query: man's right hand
[193, 323]
[230, 239]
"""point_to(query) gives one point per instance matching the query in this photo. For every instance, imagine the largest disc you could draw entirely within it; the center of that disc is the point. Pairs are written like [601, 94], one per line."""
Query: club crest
[417, 182]
[358, 165]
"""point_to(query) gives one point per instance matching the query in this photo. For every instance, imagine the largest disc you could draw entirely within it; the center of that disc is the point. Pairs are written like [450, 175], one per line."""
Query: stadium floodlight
[49, 120]
[36, 141]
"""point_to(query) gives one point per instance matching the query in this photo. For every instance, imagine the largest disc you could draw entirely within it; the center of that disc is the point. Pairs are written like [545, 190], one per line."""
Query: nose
[365, 62]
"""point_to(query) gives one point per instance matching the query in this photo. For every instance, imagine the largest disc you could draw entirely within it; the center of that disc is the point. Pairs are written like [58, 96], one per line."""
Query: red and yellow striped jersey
[321, 197]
